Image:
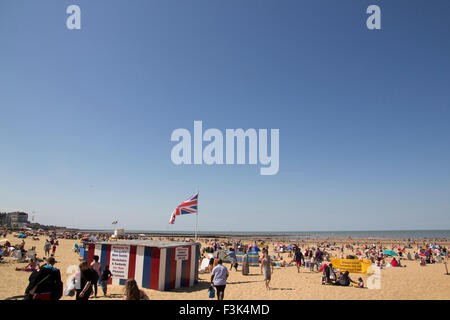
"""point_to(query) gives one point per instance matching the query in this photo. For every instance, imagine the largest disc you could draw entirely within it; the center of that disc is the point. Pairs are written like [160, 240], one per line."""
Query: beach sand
[411, 282]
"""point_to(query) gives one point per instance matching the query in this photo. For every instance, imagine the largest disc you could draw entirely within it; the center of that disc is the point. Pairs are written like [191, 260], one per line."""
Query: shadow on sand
[201, 285]
[239, 282]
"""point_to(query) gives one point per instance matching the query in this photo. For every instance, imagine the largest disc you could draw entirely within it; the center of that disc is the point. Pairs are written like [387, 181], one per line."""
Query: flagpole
[196, 219]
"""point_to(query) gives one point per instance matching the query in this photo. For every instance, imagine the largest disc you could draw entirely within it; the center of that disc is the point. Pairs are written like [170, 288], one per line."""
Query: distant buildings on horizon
[15, 219]
[19, 220]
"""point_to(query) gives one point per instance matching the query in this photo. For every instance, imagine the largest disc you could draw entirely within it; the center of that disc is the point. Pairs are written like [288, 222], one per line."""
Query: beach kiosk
[158, 265]
[118, 234]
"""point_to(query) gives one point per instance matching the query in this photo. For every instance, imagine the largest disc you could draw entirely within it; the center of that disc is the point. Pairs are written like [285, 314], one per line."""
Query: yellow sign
[351, 265]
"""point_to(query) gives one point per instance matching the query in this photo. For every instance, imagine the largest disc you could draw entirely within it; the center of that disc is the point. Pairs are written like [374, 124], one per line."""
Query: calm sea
[391, 234]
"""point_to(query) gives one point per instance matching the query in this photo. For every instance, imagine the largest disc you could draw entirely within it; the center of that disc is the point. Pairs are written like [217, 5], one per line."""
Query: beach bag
[212, 292]
[70, 287]
[32, 295]
[332, 276]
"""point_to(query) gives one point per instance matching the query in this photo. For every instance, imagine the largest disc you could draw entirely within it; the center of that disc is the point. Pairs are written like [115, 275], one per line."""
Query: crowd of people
[45, 279]
[46, 284]
[316, 259]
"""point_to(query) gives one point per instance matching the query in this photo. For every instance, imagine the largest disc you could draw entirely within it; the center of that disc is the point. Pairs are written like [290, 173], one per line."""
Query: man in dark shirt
[106, 275]
[45, 284]
[87, 278]
[298, 256]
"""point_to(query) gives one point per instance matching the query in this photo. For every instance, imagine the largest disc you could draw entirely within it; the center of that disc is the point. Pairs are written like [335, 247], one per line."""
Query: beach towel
[253, 258]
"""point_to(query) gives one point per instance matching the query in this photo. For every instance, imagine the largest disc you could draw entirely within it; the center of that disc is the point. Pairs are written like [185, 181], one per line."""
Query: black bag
[31, 293]
[50, 282]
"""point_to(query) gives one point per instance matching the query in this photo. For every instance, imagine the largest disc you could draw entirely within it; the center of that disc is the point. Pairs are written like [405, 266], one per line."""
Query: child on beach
[360, 283]
[311, 263]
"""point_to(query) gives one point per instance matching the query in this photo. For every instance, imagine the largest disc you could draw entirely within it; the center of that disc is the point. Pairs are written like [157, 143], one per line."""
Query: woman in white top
[96, 266]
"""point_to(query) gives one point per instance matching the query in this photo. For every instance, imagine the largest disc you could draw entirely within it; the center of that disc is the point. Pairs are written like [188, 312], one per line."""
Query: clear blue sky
[364, 116]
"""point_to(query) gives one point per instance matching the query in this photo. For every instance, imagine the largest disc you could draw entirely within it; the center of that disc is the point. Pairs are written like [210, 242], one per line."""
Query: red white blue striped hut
[158, 265]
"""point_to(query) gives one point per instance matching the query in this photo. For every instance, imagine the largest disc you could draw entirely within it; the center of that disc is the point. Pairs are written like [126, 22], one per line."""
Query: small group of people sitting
[32, 266]
[380, 262]
[395, 263]
[343, 279]
[427, 260]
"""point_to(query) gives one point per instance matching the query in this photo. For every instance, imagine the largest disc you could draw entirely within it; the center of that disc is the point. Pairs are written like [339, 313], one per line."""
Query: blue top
[50, 267]
[232, 255]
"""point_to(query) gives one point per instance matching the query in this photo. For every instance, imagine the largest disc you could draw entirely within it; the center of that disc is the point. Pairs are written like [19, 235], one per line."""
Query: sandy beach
[410, 282]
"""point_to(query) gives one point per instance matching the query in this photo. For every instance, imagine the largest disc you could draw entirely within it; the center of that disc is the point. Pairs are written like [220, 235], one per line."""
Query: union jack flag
[187, 207]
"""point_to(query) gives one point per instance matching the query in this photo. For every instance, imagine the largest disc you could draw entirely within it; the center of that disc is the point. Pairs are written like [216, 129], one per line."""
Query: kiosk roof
[150, 243]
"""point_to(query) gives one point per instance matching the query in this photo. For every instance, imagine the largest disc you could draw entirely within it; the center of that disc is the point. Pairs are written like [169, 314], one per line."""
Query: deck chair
[204, 266]
[222, 254]
[18, 256]
[31, 254]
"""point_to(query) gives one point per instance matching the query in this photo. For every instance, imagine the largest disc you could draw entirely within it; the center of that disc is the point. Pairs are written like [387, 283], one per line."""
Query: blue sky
[86, 115]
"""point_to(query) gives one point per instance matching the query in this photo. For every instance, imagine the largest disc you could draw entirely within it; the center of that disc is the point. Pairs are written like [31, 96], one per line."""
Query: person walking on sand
[106, 275]
[211, 263]
[318, 257]
[87, 277]
[219, 277]
[47, 248]
[245, 266]
[232, 255]
[298, 257]
[267, 269]
[96, 266]
[311, 261]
